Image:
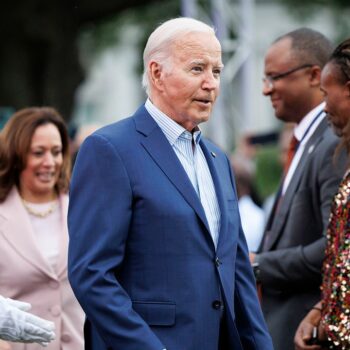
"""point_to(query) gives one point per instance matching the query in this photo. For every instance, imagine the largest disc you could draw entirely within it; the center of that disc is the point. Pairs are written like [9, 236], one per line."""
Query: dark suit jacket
[291, 259]
[141, 259]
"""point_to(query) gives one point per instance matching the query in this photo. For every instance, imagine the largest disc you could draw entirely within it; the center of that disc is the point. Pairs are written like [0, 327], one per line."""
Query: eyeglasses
[270, 79]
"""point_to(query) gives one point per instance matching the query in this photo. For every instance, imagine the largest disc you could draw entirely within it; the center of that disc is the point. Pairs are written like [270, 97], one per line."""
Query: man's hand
[304, 332]
[17, 325]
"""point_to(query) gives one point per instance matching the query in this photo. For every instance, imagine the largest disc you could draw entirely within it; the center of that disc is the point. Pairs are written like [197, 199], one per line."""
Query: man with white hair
[157, 255]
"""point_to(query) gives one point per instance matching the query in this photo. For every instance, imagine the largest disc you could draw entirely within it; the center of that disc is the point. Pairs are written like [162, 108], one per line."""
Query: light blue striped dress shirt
[187, 148]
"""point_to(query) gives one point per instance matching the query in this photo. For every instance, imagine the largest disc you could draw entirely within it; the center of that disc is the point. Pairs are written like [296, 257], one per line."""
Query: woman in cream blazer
[27, 271]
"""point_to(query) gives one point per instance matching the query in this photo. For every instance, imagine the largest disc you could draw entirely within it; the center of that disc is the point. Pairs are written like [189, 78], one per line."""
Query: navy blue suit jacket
[142, 262]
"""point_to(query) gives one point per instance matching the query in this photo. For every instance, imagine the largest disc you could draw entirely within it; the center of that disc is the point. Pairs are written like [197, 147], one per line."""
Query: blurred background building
[246, 28]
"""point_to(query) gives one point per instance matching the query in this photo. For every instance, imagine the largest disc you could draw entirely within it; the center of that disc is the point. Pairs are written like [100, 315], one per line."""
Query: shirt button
[55, 310]
[216, 304]
[66, 338]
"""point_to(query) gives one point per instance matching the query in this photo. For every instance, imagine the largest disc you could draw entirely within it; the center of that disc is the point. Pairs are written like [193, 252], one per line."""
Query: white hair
[160, 40]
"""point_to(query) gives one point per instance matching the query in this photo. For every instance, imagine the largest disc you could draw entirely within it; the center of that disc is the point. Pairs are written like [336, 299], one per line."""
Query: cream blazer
[26, 275]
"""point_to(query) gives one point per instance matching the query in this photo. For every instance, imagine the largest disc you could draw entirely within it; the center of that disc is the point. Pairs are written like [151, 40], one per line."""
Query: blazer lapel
[63, 254]
[210, 156]
[279, 219]
[19, 233]
[162, 153]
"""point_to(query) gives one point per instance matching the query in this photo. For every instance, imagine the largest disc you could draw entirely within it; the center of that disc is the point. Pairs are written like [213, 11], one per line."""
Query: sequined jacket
[336, 270]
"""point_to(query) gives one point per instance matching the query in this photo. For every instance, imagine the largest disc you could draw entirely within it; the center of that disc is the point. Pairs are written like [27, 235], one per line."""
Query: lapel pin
[311, 149]
[213, 154]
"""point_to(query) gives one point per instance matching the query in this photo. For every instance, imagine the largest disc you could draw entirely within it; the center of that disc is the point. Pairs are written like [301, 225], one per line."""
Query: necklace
[39, 214]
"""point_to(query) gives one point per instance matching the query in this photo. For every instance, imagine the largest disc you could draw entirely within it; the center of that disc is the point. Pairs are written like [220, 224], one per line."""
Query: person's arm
[301, 265]
[305, 336]
[249, 320]
[99, 219]
[18, 325]
[288, 267]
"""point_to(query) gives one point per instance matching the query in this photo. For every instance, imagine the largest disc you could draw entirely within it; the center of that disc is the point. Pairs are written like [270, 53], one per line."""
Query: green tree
[339, 9]
[39, 62]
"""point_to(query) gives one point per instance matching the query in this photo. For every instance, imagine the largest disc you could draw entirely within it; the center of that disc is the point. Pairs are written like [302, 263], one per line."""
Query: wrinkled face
[43, 164]
[290, 93]
[186, 87]
[337, 98]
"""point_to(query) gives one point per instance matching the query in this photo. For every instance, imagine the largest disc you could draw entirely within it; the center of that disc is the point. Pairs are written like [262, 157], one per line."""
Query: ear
[315, 76]
[155, 75]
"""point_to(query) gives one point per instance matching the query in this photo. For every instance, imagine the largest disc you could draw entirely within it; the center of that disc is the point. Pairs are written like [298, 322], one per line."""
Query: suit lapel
[278, 220]
[162, 153]
[19, 233]
[212, 161]
[63, 253]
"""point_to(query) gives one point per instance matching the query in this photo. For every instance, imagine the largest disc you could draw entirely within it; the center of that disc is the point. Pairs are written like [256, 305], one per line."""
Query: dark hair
[309, 46]
[340, 59]
[15, 141]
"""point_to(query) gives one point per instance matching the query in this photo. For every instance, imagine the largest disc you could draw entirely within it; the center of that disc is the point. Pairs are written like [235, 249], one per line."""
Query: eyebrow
[198, 62]
[41, 146]
[202, 63]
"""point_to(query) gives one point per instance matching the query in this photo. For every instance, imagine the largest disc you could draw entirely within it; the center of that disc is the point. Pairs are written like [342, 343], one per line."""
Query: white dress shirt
[303, 131]
[188, 150]
[253, 222]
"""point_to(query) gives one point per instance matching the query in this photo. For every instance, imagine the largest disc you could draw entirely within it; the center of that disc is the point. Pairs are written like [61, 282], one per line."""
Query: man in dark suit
[157, 256]
[289, 260]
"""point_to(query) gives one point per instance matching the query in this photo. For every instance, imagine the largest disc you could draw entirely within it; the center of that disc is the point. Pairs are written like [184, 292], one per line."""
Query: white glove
[17, 325]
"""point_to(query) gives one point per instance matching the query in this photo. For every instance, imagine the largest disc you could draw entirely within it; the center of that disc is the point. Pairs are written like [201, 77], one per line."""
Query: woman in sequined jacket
[327, 325]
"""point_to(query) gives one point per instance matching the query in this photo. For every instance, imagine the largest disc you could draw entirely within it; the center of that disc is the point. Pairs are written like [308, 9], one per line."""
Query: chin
[285, 117]
[46, 188]
[203, 118]
[280, 117]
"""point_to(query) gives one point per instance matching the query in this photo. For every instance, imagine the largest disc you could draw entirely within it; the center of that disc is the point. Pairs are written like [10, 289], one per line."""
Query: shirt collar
[172, 130]
[302, 127]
